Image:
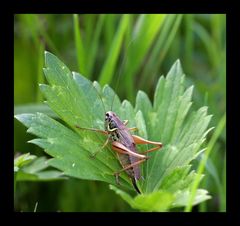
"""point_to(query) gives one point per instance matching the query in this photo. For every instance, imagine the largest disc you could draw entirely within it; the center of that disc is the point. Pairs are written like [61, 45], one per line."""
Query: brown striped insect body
[119, 133]
[124, 143]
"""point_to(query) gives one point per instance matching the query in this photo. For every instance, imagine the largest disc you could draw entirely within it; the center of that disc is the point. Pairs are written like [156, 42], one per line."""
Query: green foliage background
[104, 47]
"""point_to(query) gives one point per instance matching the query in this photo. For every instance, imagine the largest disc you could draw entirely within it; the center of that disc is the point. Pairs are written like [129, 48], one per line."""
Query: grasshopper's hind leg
[140, 140]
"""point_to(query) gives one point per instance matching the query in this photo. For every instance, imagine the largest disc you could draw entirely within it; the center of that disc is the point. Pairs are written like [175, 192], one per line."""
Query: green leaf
[48, 175]
[22, 160]
[220, 127]
[182, 197]
[34, 108]
[181, 137]
[78, 101]
[158, 201]
[30, 168]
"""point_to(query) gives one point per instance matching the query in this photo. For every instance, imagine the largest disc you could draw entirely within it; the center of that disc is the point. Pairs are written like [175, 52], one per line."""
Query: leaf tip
[48, 58]
[178, 64]
[45, 52]
[43, 87]
[46, 55]
[17, 117]
[25, 118]
[20, 117]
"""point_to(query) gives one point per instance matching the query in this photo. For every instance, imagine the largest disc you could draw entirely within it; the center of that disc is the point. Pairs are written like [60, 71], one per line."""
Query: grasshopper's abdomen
[133, 173]
[126, 159]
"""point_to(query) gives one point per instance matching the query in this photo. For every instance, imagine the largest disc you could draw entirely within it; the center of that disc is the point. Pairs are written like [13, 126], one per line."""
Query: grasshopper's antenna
[120, 70]
[99, 96]
[118, 79]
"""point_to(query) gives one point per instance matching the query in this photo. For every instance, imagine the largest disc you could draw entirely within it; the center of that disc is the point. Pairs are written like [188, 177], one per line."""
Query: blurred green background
[137, 49]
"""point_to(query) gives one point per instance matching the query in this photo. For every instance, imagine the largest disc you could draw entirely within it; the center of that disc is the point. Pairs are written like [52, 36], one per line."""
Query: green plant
[168, 174]
[30, 168]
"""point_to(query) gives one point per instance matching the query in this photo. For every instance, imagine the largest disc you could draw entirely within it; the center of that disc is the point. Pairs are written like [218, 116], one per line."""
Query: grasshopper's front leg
[125, 122]
[96, 152]
[92, 129]
[98, 131]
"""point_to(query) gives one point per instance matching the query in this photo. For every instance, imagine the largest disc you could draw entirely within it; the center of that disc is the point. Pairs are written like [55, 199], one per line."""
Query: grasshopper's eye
[107, 117]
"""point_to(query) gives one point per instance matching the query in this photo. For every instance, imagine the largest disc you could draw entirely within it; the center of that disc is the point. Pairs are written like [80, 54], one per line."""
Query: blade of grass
[39, 30]
[171, 37]
[209, 44]
[217, 27]
[91, 56]
[109, 30]
[80, 51]
[222, 197]
[202, 164]
[188, 50]
[89, 22]
[203, 205]
[35, 207]
[30, 21]
[40, 78]
[172, 23]
[169, 20]
[144, 34]
[110, 63]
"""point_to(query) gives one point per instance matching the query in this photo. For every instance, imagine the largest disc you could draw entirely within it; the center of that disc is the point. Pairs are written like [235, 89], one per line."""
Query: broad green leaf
[79, 102]
[181, 137]
[69, 150]
[34, 108]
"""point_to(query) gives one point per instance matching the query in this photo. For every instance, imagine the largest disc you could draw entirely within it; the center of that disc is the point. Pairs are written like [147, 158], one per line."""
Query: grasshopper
[124, 143]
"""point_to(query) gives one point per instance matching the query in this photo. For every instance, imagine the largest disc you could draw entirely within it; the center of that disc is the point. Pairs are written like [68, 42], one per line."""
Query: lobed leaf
[77, 101]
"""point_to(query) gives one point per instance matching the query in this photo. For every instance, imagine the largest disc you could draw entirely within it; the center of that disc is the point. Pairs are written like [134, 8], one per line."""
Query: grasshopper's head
[111, 121]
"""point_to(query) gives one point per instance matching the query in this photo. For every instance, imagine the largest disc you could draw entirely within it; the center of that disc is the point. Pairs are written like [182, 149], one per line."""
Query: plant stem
[202, 164]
